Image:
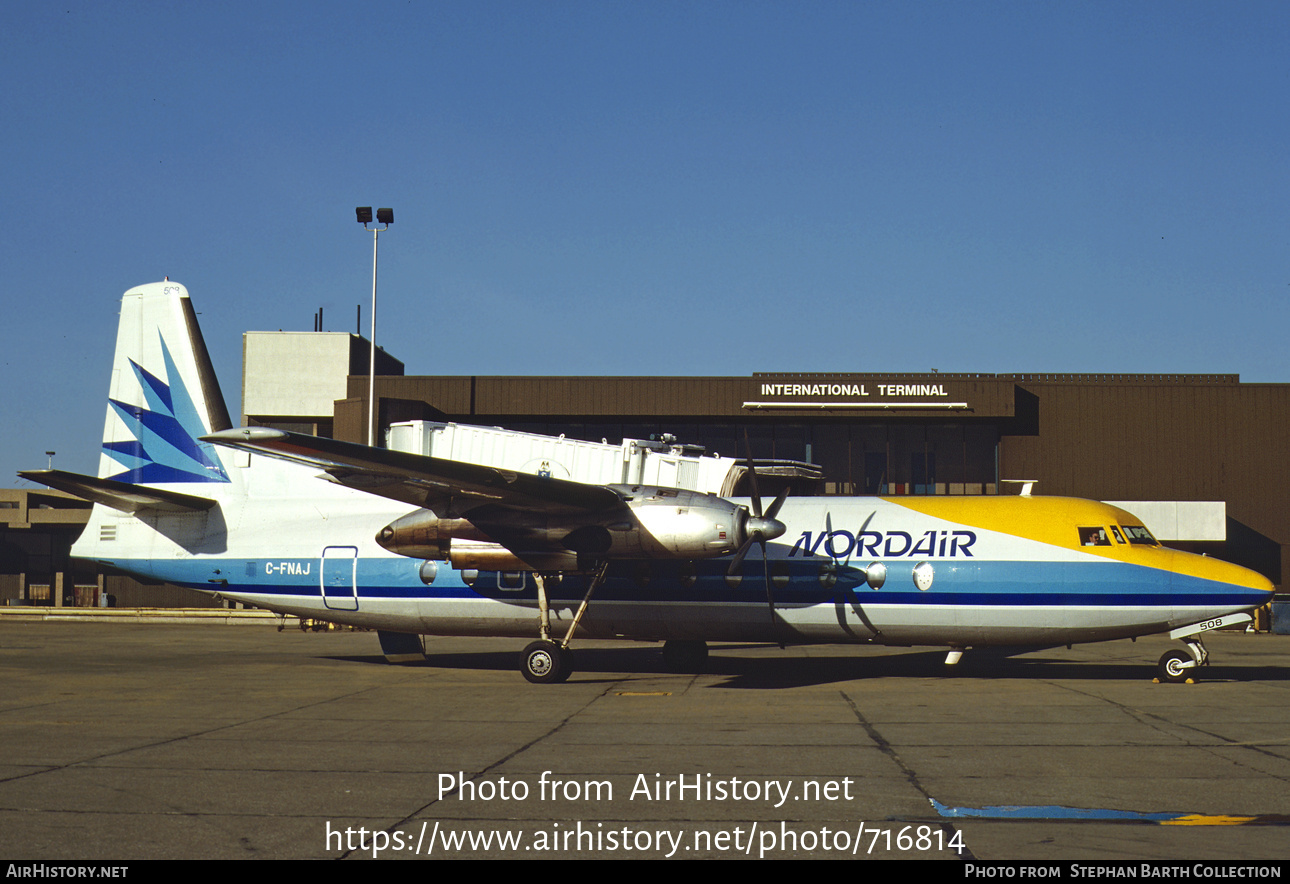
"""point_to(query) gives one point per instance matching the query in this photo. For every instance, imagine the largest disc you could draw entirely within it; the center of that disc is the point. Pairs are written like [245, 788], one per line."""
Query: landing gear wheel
[685, 657]
[545, 662]
[1175, 666]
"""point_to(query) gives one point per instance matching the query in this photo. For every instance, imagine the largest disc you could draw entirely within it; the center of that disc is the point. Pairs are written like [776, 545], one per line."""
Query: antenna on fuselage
[1027, 485]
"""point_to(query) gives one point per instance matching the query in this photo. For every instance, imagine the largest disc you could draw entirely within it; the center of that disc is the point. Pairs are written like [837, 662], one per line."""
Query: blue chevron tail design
[165, 446]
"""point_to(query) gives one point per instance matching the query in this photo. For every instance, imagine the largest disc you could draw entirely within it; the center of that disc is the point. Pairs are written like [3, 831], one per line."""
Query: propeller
[846, 587]
[760, 527]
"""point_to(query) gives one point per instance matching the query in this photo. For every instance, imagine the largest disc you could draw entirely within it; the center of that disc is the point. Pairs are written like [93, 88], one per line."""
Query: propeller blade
[770, 596]
[863, 529]
[761, 527]
[755, 495]
[779, 501]
[739, 556]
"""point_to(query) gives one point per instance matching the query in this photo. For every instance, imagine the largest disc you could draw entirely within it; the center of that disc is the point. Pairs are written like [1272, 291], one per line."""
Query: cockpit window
[1119, 538]
[1094, 537]
[1139, 534]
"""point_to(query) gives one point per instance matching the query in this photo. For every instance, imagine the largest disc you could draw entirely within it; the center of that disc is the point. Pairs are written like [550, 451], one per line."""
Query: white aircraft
[346, 533]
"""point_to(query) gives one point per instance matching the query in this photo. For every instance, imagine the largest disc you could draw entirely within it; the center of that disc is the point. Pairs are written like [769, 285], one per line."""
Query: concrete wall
[294, 373]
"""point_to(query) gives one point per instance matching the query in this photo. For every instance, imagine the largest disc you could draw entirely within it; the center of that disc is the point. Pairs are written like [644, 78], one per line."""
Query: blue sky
[648, 188]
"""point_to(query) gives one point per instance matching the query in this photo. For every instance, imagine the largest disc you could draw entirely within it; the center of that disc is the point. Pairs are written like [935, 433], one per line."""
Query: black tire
[566, 666]
[685, 657]
[545, 662]
[1175, 666]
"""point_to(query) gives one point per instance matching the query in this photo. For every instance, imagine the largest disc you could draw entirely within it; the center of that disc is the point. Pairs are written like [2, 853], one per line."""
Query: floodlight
[384, 216]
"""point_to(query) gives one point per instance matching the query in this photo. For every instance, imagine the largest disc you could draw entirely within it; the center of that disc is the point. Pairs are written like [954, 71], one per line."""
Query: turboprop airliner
[412, 545]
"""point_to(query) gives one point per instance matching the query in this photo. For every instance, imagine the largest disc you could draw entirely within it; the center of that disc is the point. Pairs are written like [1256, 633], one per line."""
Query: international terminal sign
[866, 395]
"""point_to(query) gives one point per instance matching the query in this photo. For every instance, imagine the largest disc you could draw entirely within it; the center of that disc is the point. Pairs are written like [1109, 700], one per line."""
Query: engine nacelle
[423, 535]
[651, 522]
[677, 524]
[495, 557]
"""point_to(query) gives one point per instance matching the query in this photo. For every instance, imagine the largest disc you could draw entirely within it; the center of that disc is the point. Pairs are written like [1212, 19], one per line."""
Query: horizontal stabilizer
[121, 496]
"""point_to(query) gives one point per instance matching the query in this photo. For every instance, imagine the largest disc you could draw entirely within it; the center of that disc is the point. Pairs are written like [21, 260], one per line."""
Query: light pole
[386, 217]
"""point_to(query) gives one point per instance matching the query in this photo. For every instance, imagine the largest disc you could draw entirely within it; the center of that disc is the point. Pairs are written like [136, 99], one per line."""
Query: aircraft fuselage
[993, 571]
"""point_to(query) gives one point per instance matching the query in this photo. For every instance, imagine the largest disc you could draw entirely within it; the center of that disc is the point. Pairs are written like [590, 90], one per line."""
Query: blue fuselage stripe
[1011, 584]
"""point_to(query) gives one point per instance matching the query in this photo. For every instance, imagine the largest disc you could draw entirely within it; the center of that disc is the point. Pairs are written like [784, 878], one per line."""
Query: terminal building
[1202, 459]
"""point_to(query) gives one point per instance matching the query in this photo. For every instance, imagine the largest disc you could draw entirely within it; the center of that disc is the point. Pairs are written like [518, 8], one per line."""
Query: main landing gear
[546, 662]
[551, 662]
[1176, 667]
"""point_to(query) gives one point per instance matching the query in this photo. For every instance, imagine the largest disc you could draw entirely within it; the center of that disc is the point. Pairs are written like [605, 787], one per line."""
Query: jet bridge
[631, 462]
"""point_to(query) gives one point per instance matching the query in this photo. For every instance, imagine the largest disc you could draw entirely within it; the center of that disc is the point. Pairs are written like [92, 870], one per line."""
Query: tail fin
[164, 395]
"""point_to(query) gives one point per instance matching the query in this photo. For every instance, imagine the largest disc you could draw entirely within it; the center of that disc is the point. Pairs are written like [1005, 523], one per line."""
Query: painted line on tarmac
[1061, 812]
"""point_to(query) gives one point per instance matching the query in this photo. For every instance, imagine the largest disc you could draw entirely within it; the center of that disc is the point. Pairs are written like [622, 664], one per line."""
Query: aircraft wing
[123, 496]
[446, 486]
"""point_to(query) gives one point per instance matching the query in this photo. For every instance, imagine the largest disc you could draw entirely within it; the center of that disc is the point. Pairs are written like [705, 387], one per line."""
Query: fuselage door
[339, 578]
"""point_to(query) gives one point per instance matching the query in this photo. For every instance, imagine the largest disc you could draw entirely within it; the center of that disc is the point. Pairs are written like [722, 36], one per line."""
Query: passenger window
[1094, 537]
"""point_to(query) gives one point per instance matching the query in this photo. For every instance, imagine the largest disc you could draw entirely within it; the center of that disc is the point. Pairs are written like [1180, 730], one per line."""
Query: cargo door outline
[338, 578]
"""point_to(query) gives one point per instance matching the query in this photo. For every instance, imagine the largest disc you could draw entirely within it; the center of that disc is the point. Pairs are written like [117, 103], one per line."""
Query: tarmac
[126, 739]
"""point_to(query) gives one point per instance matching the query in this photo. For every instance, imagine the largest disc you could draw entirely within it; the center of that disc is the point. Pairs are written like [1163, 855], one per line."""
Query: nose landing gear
[1176, 667]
